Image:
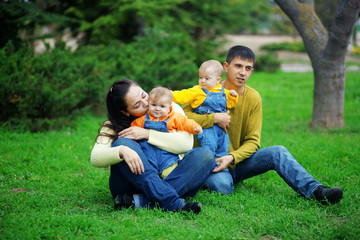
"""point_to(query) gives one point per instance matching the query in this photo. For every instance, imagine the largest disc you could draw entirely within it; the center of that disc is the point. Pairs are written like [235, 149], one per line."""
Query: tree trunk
[329, 94]
[327, 51]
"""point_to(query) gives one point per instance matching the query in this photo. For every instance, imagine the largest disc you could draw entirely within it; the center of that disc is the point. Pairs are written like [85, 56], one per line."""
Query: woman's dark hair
[116, 105]
[242, 52]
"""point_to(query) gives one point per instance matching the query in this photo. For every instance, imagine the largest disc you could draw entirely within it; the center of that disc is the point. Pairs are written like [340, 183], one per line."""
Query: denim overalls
[159, 158]
[215, 137]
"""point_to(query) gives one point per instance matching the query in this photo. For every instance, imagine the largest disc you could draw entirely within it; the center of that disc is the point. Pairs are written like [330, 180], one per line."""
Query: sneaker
[123, 201]
[327, 195]
[194, 207]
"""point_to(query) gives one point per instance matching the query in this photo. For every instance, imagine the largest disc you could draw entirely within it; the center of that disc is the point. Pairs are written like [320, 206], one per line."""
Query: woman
[131, 172]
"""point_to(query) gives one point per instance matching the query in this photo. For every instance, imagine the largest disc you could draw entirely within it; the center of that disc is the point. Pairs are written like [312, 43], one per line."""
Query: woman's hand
[222, 120]
[132, 159]
[224, 162]
[134, 133]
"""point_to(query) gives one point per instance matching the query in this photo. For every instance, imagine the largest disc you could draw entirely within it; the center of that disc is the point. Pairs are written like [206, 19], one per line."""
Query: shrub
[267, 62]
[356, 51]
[45, 91]
[160, 59]
[157, 58]
[49, 90]
[287, 46]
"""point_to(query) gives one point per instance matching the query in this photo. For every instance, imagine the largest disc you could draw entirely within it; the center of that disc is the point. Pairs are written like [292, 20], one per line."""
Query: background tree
[327, 51]
[20, 19]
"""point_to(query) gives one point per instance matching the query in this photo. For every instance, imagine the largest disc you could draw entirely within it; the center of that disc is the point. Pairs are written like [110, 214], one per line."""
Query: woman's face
[136, 101]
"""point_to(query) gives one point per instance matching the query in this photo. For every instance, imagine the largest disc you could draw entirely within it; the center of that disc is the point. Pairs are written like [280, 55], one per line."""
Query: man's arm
[205, 120]
[246, 147]
[208, 120]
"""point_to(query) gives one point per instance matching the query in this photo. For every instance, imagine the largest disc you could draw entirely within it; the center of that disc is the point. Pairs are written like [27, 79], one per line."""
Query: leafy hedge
[267, 62]
[286, 46]
[154, 59]
[45, 91]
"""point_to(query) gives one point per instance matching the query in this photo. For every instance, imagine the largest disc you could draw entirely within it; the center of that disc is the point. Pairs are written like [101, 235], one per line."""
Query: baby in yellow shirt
[210, 97]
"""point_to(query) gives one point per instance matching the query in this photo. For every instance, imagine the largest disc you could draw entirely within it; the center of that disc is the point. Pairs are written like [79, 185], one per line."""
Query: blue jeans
[185, 180]
[276, 158]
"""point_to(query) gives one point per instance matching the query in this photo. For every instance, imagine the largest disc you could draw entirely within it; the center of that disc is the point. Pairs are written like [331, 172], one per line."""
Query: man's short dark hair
[242, 52]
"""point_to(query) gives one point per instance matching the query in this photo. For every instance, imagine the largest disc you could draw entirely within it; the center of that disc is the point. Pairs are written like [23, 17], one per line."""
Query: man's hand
[132, 159]
[222, 120]
[134, 133]
[224, 162]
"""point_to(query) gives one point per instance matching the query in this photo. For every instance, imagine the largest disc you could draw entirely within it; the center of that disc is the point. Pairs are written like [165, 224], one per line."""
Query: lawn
[49, 190]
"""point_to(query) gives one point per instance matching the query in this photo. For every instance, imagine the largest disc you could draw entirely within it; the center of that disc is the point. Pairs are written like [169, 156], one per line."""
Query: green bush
[46, 91]
[267, 62]
[160, 59]
[286, 46]
[49, 90]
[157, 58]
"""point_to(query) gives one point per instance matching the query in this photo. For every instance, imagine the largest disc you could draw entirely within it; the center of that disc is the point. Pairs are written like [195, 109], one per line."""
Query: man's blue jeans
[276, 158]
[185, 180]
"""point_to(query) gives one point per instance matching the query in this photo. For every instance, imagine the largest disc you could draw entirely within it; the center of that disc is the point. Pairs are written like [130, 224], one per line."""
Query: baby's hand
[233, 93]
[198, 130]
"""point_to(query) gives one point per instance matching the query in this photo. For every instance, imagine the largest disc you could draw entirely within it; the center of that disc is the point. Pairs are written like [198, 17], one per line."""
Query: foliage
[252, 16]
[49, 186]
[356, 51]
[280, 22]
[286, 46]
[267, 62]
[157, 58]
[105, 21]
[45, 91]
[200, 19]
[22, 17]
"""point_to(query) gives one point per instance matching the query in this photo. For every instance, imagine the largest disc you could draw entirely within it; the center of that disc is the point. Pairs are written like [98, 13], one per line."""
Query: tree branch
[311, 2]
[341, 30]
[309, 26]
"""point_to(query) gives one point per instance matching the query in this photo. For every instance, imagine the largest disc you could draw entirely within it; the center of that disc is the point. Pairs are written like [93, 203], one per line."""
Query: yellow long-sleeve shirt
[245, 126]
[196, 96]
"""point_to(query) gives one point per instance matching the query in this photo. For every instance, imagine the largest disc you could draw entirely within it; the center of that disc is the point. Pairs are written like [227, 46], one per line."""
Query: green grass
[49, 190]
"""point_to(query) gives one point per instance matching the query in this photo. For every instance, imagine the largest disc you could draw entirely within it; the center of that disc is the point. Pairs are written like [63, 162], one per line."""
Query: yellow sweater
[245, 126]
[196, 96]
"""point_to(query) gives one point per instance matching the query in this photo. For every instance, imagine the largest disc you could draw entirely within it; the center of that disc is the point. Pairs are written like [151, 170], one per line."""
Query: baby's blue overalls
[215, 137]
[159, 158]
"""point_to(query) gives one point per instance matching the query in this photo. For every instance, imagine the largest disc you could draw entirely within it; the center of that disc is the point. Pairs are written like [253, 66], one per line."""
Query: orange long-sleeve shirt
[176, 122]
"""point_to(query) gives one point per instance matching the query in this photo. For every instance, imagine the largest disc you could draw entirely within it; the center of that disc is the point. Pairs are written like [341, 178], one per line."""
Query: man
[245, 159]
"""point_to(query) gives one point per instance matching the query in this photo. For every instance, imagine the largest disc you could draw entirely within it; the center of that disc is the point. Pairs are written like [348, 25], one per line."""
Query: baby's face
[160, 107]
[207, 79]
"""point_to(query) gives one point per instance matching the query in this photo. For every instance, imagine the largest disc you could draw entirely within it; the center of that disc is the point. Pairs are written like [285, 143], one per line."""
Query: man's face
[238, 71]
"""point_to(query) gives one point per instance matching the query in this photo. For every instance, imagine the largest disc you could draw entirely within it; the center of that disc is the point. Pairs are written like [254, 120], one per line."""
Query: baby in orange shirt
[161, 117]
